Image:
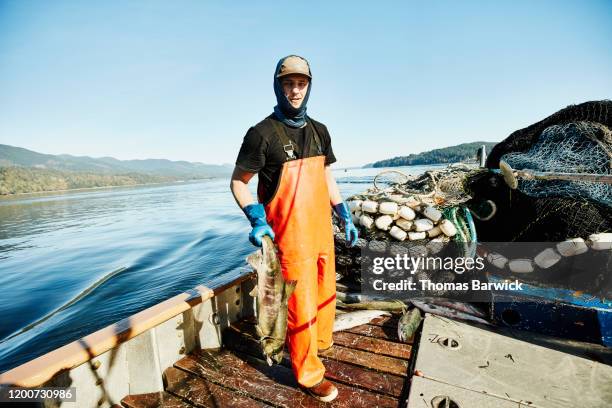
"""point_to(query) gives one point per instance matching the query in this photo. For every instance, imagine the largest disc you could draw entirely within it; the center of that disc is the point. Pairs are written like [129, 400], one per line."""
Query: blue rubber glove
[257, 217]
[343, 212]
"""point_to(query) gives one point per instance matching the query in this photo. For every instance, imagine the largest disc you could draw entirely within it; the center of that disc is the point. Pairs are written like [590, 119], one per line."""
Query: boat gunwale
[40, 370]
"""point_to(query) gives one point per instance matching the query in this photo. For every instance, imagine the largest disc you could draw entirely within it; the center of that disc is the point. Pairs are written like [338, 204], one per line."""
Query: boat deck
[367, 363]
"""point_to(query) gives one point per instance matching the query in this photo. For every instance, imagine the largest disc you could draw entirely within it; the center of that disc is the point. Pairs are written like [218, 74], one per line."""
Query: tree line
[452, 154]
[16, 180]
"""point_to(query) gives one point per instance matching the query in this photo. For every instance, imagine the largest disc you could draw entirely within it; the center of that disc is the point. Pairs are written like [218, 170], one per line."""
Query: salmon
[272, 293]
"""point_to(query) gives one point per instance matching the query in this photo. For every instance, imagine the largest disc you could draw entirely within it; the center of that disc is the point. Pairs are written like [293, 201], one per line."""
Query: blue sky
[185, 80]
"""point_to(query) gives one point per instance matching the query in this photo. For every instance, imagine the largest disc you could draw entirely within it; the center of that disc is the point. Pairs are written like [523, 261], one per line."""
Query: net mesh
[522, 139]
[577, 139]
[446, 187]
[581, 147]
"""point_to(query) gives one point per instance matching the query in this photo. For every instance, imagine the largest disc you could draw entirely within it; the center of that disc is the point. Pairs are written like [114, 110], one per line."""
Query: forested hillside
[452, 154]
[17, 156]
[26, 171]
[15, 180]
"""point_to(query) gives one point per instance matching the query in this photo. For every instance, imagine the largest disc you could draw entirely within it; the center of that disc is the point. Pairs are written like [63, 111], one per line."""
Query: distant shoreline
[103, 187]
[448, 155]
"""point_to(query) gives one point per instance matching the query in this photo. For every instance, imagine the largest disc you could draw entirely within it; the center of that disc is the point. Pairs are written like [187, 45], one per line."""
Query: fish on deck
[272, 293]
[349, 320]
[387, 305]
[446, 311]
[408, 324]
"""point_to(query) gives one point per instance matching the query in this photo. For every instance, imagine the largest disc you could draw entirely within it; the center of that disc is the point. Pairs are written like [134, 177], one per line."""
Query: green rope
[472, 231]
[452, 217]
[466, 230]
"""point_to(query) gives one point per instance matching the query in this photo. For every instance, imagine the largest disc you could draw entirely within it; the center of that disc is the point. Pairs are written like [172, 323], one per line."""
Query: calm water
[73, 263]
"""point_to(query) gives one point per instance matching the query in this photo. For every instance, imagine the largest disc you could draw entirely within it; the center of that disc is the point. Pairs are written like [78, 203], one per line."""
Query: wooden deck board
[203, 393]
[386, 321]
[366, 359]
[351, 355]
[374, 345]
[370, 380]
[388, 384]
[350, 392]
[375, 339]
[368, 364]
[154, 400]
[275, 385]
[230, 371]
[379, 332]
[355, 341]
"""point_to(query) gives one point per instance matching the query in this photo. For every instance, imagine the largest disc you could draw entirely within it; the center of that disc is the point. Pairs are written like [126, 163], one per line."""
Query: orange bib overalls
[300, 215]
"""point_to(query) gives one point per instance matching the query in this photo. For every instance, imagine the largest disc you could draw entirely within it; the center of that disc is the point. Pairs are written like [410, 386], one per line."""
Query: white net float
[404, 224]
[547, 258]
[434, 232]
[601, 241]
[414, 236]
[355, 205]
[407, 213]
[384, 222]
[432, 213]
[412, 202]
[388, 207]
[398, 233]
[572, 247]
[366, 221]
[398, 198]
[448, 228]
[423, 224]
[369, 206]
[520, 265]
[497, 260]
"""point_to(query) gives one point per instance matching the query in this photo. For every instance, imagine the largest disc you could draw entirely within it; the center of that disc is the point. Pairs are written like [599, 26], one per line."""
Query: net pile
[577, 139]
[440, 187]
[418, 215]
[522, 139]
[580, 147]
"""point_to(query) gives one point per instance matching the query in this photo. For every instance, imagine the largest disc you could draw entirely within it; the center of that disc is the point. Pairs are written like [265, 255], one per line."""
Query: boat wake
[66, 305]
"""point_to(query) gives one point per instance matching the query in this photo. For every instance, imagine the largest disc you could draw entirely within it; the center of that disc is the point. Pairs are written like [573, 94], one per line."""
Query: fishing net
[444, 187]
[580, 147]
[523, 139]
[576, 140]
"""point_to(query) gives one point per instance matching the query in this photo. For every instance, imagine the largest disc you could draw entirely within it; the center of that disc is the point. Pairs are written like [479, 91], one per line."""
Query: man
[292, 153]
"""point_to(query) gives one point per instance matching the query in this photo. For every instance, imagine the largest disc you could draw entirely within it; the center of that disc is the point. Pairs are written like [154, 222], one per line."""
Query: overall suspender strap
[285, 141]
[316, 138]
[288, 146]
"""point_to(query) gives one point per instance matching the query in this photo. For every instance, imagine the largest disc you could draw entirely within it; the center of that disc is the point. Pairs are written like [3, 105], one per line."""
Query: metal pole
[511, 176]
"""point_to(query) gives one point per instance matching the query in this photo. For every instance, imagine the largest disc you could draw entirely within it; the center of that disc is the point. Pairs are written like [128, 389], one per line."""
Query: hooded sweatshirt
[283, 110]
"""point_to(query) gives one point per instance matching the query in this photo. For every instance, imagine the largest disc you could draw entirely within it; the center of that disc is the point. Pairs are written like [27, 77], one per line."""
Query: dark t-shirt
[262, 151]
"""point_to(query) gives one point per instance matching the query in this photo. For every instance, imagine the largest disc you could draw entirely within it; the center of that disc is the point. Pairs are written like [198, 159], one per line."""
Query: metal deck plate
[426, 393]
[475, 359]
